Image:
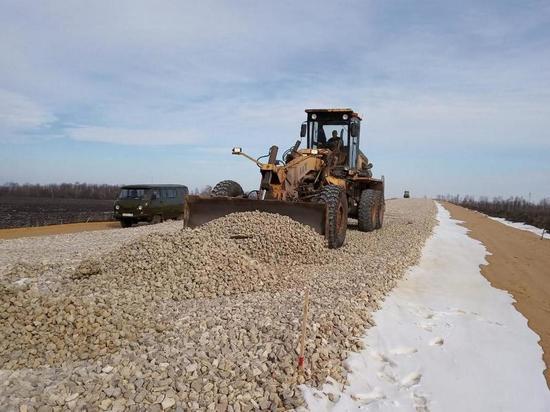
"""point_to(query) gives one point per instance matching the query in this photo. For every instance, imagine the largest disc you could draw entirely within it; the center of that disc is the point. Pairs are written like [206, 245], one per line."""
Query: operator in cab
[335, 142]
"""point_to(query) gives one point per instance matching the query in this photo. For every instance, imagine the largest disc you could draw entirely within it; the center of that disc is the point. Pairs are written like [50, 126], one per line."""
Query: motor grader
[320, 185]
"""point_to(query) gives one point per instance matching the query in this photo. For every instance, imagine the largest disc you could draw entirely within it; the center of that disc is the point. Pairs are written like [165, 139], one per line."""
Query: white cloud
[247, 69]
[132, 136]
[216, 74]
[444, 122]
[19, 114]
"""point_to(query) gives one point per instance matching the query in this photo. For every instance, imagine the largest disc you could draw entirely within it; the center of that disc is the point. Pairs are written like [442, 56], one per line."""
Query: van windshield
[133, 193]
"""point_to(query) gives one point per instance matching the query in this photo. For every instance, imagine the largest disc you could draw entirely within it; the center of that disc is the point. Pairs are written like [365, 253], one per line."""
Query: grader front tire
[336, 220]
[227, 188]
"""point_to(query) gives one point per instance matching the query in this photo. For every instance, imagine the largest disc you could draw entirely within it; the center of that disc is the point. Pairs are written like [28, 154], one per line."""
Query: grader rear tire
[227, 188]
[369, 210]
[336, 220]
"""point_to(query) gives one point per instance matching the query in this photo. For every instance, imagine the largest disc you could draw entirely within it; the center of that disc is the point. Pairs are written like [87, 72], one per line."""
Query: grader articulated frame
[320, 185]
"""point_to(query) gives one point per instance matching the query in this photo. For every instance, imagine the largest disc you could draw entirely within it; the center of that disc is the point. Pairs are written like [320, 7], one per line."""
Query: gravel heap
[271, 239]
[183, 265]
[199, 319]
[67, 250]
[39, 330]
[226, 257]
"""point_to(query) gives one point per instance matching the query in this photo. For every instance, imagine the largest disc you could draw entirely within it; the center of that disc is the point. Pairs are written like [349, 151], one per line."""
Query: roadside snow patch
[444, 340]
[537, 231]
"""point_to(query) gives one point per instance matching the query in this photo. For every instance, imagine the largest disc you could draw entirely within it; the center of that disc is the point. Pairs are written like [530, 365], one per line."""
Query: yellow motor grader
[320, 185]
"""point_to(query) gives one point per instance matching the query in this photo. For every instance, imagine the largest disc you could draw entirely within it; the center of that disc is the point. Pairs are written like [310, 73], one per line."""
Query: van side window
[171, 193]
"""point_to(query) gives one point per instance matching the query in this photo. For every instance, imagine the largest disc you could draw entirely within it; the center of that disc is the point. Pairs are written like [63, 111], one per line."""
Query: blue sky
[455, 95]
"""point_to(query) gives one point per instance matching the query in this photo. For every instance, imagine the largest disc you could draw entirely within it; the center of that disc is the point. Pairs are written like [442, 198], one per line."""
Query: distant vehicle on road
[149, 203]
[406, 195]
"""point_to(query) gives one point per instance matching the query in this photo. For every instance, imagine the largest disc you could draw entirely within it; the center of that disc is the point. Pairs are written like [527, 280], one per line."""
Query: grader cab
[320, 185]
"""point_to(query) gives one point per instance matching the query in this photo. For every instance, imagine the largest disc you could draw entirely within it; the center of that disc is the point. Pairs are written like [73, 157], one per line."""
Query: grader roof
[347, 111]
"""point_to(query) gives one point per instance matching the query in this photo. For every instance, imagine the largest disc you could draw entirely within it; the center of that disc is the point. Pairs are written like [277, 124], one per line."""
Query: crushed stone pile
[202, 319]
[105, 295]
[233, 254]
[183, 265]
[38, 329]
[271, 238]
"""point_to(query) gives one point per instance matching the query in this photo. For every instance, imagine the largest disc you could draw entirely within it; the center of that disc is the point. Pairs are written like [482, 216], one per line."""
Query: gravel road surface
[159, 318]
[69, 249]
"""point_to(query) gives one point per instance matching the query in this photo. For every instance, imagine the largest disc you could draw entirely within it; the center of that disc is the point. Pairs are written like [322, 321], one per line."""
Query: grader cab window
[354, 146]
[353, 150]
[319, 133]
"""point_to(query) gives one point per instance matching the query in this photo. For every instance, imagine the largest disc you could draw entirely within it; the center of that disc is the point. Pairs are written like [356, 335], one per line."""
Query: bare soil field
[519, 263]
[159, 317]
[36, 211]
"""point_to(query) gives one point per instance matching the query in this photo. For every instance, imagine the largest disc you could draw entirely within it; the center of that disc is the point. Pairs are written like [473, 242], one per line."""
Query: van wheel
[156, 219]
[126, 223]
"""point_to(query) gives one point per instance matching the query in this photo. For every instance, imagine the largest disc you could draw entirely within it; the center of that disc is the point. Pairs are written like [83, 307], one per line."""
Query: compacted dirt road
[19, 232]
[519, 263]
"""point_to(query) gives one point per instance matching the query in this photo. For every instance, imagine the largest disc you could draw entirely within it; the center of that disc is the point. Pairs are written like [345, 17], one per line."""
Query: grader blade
[200, 210]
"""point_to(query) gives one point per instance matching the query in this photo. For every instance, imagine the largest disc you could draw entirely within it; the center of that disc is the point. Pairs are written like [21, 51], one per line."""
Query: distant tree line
[72, 190]
[60, 190]
[515, 209]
